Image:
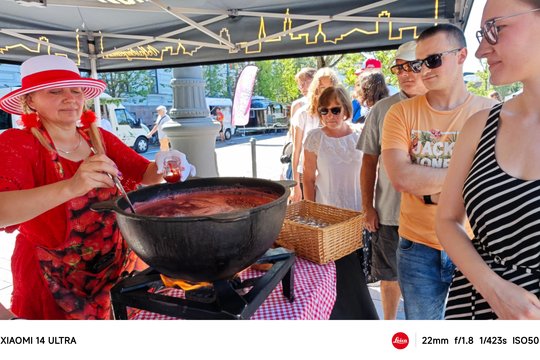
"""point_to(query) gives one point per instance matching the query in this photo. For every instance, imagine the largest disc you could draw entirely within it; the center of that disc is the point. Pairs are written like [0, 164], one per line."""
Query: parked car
[132, 132]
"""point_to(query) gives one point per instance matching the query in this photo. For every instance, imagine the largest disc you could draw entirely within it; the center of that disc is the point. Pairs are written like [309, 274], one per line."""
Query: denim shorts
[424, 276]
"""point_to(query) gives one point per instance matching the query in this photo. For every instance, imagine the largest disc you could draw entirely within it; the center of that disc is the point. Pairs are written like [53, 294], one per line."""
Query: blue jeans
[424, 276]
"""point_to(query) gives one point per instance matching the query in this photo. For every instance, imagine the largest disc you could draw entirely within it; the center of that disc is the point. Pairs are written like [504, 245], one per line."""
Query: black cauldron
[202, 248]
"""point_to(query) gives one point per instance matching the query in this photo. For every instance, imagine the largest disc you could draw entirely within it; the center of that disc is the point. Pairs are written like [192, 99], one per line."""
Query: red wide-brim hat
[49, 72]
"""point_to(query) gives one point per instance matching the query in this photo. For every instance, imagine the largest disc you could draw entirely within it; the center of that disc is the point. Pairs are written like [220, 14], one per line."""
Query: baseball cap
[161, 107]
[407, 51]
[371, 63]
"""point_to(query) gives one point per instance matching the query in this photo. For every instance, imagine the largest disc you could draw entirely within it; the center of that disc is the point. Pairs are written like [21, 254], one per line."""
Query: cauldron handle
[287, 183]
[103, 206]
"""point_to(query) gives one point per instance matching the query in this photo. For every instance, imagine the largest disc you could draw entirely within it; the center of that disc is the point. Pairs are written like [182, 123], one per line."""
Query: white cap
[406, 51]
[161, 107]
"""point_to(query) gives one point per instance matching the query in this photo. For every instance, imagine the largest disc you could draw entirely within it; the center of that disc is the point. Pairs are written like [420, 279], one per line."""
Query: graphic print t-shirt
[429, 137]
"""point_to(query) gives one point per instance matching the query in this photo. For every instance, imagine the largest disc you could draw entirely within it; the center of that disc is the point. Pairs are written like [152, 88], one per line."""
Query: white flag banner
[242, 95]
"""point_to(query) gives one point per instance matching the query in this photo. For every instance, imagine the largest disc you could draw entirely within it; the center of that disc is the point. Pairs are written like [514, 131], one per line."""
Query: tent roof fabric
[114, 35]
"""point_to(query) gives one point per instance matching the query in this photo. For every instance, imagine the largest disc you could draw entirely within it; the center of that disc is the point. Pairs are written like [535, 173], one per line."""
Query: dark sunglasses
[335, 110]
[432, 61]
[490, 31]
[398, 69]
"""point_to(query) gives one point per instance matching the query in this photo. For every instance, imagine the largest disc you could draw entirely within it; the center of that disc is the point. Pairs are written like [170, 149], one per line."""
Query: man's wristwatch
[427, 200]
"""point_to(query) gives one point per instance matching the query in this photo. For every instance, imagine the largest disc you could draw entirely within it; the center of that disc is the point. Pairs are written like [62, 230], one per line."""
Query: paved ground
[234, 159]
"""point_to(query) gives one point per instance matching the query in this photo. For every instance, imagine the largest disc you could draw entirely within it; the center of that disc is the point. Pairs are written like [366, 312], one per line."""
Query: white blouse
[338, 169]
[303, 120]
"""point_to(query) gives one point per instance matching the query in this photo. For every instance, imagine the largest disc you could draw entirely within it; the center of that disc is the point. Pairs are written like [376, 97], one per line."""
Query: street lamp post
[192, 130]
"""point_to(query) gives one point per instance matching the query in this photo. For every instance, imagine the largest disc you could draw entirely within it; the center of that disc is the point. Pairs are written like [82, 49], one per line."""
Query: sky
[472, 64]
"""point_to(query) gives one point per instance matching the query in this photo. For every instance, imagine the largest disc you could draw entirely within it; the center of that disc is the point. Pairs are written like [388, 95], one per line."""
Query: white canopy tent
[113, 35]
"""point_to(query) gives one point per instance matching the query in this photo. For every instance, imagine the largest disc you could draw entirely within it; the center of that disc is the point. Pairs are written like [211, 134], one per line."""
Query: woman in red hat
[66, 257]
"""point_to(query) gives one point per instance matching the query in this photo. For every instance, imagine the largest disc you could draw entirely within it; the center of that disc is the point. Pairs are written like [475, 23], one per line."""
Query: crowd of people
[477, 254]
[448, 180]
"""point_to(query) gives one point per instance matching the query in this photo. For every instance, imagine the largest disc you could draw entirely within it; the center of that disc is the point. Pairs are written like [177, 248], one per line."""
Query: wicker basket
[341, 237]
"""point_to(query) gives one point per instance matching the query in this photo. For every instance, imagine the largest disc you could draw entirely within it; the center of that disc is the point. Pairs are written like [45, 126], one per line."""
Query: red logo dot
[400, 340]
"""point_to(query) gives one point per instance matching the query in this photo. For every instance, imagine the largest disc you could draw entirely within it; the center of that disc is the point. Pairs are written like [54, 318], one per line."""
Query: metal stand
[226, 299]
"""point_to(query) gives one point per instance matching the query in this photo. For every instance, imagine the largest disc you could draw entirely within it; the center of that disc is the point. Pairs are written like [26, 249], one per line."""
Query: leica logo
[400, 340]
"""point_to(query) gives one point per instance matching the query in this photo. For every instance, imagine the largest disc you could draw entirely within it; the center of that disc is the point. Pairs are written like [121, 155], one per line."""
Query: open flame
[182, 284]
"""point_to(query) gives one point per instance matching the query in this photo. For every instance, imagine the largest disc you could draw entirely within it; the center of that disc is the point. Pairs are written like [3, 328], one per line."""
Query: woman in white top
[305, 119]
[331, 161]
[332, 176]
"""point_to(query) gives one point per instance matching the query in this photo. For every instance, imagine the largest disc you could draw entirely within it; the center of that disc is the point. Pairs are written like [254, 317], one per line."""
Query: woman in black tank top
[494, 179]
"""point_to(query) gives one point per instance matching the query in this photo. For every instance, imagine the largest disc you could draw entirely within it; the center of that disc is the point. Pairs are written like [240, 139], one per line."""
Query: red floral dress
[65, 260]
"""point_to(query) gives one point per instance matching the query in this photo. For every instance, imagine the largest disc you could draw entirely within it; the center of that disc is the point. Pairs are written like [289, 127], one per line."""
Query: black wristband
[427, 200]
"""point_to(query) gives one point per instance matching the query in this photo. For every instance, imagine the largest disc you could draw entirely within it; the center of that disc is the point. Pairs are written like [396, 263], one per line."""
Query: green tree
[275, 79]
[328, 60]
[129, 84]
[268, 79]
[387, 61]
[216, 80]
[347, 67]
[289, 90]
[482, 86]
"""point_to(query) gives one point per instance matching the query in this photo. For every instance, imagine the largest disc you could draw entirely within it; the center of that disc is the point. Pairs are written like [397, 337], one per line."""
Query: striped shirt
[504, 213]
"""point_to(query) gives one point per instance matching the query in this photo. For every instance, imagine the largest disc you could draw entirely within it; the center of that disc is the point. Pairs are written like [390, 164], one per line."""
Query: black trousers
[353, 301]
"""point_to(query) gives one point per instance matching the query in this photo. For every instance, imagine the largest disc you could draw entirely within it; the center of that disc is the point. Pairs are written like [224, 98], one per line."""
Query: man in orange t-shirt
[418, 138]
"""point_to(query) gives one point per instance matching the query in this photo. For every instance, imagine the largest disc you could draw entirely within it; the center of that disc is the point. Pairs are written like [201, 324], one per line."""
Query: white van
[132, 132]
[226, 108]
[8, 121]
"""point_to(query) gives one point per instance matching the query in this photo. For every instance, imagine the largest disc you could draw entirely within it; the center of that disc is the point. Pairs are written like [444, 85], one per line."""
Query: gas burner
[224, 299]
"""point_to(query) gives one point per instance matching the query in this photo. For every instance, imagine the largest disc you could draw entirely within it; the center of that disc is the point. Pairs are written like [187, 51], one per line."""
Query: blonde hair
[313, 92]
[305, 74]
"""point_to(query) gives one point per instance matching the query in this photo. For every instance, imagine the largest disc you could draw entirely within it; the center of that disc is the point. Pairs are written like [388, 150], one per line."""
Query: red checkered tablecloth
[314, 295]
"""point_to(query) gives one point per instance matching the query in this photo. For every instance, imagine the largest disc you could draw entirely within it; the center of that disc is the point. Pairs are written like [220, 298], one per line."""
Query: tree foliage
[387, 60]
[275, 79]
[216, 80]
[328, 60]
[347, 67]
[482, 86]
[129, 84]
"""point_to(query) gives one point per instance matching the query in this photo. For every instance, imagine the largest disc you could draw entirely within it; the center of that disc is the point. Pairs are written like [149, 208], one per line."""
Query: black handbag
[286, 153]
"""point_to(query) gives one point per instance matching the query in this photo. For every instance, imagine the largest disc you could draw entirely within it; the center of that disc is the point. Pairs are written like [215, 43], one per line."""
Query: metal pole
[253, 143]
[93, 71]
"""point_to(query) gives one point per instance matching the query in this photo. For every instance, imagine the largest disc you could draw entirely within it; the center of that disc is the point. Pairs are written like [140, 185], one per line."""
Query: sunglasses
[398, 69]
[335, 110]
[432, 61]
[490, 31]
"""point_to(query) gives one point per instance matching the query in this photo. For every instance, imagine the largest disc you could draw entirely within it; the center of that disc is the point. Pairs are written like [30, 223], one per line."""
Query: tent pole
[93, 70]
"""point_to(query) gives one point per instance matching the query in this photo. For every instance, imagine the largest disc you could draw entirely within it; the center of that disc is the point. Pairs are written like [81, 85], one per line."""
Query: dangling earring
[29, 121]
[87, 118]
